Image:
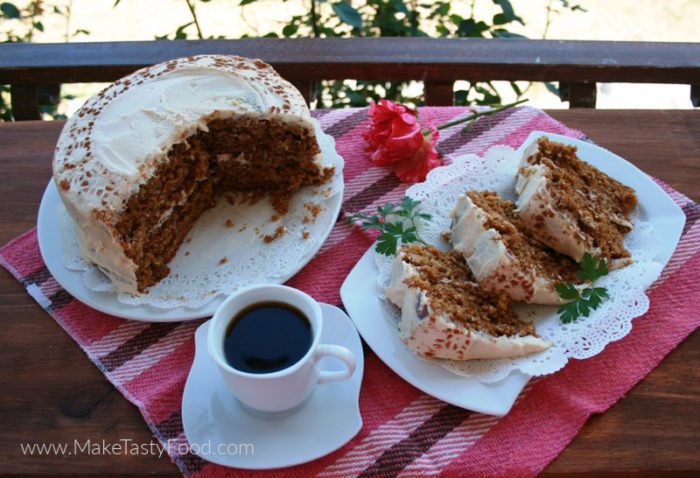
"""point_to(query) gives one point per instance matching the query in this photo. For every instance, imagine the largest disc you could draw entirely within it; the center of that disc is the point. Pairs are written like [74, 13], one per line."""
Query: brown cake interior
[452, 291]
[529, 251]
[600, 205]
[243, 154]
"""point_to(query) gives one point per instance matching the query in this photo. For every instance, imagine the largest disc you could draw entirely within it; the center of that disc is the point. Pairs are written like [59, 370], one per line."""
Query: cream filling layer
[495, 268]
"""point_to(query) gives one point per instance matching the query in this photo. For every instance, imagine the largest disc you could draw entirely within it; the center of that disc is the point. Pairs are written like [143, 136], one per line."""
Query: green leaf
[508, 11]
[180, 33]
[409, 204]
[591, 268]
[386, 209]
[400, 6]
[503, 33]
[246, 2]
[39, 26]
[500, 19]
[386, 244]
[568, 312]
[409, 235]
[9, 10]
[552, 88]
[290, 30]
[471, 28]
[348, 14]
[567, 291]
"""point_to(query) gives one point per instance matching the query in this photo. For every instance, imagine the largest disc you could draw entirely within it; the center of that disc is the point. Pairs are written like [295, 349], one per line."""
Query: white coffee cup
[284, 389]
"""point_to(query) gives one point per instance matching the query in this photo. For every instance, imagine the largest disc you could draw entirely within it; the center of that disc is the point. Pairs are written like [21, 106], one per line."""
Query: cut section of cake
[141, 161]
[502, 255]
[446, 315]
[572, 206]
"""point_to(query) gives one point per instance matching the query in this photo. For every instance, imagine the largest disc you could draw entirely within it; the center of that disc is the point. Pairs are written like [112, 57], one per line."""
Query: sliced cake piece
[445, 314]
[502, 255]
[572, 206]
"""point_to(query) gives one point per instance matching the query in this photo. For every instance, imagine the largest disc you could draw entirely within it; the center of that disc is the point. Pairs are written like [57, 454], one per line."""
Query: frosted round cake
[141, 161]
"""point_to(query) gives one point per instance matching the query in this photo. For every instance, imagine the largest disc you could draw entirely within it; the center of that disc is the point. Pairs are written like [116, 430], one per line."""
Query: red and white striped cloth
[405, 432]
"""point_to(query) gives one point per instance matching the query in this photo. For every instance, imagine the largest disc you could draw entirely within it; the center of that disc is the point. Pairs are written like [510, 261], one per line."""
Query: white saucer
[329, 419]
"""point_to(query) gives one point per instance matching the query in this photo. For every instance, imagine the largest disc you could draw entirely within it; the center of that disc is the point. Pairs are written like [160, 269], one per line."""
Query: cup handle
[340, 353]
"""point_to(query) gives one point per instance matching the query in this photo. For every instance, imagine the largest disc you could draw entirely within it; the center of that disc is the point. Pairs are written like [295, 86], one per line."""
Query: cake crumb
[314, 209]
[280, 231]
[275, 217]
[188, 240]
[187, 253]
[223, 261]
[307, 219]
[305, 234]
[243, 228]
[229, 223]
[446, 236]
[231, 199]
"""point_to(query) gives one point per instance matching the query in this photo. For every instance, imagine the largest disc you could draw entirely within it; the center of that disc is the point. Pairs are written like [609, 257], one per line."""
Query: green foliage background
[326, 19]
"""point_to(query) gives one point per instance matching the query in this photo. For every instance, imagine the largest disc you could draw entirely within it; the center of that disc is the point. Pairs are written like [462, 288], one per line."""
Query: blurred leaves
[337, 18]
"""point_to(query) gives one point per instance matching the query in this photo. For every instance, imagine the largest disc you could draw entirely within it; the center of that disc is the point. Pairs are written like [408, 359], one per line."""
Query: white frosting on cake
[538, 209]
[114, 143]
[493, 265]
[536, 205]
[435, 335]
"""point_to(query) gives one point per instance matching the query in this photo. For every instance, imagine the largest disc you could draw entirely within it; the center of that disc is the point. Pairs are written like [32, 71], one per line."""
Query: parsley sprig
[396, 222]
[584, 301]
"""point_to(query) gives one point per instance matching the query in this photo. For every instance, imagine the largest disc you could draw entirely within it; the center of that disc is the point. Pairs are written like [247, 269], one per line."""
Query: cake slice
[502, 255]
[571, 206]
[446, 315]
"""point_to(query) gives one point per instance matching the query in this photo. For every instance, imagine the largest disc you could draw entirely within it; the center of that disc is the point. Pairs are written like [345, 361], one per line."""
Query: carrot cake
[572, 206]
[502, 255]
[142, 160]
[445, 314]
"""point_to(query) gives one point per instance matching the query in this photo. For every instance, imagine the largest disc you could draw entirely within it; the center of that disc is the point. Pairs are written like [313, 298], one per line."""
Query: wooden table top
[50, 392]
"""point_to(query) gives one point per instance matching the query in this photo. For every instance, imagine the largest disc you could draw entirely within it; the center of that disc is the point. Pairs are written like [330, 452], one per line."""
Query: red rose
[423, 160]
[396, 138]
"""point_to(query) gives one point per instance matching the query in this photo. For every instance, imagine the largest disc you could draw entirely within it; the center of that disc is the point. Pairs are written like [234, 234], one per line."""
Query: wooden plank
[50, 392]
[579, 95]
[25, 102]
[439, 93]
[306, 88]
[442, 59]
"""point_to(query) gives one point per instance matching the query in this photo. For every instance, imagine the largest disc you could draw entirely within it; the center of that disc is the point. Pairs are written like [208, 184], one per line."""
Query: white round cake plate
[72, 281]
[214, 421]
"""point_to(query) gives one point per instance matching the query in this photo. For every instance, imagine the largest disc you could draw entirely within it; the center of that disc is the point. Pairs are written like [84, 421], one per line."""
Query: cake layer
[444, 314]
[502, 255]
[572, 206]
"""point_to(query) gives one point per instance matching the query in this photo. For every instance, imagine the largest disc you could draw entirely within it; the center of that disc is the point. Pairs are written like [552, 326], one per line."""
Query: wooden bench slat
[442, 59]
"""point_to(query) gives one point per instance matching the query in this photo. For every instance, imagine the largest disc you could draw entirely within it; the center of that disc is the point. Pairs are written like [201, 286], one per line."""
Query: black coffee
[267, 337]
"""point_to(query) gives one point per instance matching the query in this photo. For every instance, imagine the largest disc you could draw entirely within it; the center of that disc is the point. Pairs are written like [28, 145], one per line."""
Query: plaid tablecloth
[405, 432]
